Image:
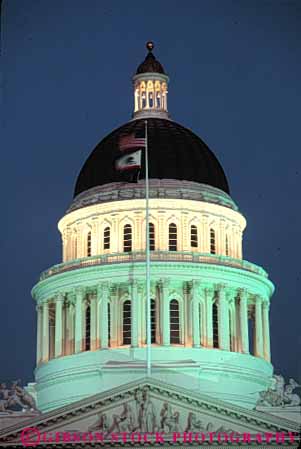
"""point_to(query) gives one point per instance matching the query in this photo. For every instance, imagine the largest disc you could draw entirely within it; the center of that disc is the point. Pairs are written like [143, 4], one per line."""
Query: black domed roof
[175, 152]
[150, 65]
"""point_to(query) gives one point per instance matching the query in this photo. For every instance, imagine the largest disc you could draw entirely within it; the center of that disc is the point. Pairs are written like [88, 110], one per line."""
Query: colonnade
[213, 316]
[150, 94]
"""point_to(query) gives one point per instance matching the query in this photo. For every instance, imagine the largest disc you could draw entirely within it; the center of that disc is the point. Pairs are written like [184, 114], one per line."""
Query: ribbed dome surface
[175, 152]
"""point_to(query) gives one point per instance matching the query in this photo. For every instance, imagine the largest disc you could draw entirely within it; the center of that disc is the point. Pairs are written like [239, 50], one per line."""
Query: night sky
[235, 69]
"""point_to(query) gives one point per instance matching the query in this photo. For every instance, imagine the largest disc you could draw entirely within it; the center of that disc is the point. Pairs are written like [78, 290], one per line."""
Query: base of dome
[232, 377]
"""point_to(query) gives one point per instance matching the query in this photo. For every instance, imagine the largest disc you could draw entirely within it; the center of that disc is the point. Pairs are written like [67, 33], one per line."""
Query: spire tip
[149, 45]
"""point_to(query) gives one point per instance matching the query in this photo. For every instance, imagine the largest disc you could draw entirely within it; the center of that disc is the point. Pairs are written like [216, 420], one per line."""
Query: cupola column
[258, 327]
[135, 322]
[223, 319]
[209, 293]
[234, 344]
[93, 305]
[45, 350]
[79, 293]
[195, 314]
[103, 299]
[165, 321]
[243, 314]
[203, 317]
[39, 333]
[266, 331]
[59, 300]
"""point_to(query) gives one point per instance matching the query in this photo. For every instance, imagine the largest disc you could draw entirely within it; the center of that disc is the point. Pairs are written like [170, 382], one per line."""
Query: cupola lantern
[150, 88]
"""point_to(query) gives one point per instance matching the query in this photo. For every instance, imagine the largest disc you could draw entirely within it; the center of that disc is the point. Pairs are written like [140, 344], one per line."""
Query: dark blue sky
[235, 69]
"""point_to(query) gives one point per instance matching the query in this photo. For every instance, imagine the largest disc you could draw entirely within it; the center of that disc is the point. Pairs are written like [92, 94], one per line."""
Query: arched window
[150, 99]
[127, 238]
[151, 230]
[89, 244]
[153, 321]
[215, 325]
[126, 324]
[174, 322]
[106, 237]
[227, 246]
[212, 241]
[172, 237]
[109, 324]
[88, 329]
[194, 236]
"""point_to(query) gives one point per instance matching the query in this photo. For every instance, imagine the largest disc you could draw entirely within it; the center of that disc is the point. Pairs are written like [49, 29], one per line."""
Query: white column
[203, 317]
[79, 319]
[209, 292]
[103, 292]
[134, 314]
[196, 337]
[93, 309]
[165, 322]
[233, 330]
[266, 331]
[223, 319]
[59, 300]
[114, 317]
[258, 327]
[39, 333]
[136, 99]
[243, 314]
[45, 348]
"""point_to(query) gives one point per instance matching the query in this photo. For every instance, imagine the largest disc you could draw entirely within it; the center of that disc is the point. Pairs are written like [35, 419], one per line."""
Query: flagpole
[148, 299]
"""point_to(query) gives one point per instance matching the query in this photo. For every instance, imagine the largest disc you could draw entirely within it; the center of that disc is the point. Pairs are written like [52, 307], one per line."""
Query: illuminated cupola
[150, 87]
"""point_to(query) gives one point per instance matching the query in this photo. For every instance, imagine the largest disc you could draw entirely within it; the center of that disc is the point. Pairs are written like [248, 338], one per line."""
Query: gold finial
[149, 45]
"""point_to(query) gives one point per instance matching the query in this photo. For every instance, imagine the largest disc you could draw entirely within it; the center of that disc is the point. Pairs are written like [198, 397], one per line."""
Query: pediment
[149, 406]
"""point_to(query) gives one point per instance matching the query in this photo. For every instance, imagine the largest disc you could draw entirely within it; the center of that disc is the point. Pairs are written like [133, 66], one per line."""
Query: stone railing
[166, 256]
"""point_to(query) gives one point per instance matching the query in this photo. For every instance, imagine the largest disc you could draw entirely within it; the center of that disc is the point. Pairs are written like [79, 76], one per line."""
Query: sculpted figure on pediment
[101, 424]
[147, 414]
[194, 424]
[125, 422]
[280, 394]
[169, 420]
[15, 396]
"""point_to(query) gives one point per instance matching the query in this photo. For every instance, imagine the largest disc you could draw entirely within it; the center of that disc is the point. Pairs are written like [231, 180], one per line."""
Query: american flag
[130, 141]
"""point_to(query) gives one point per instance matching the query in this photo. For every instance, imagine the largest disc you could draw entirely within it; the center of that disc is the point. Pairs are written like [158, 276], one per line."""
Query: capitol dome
[152, 281]
[175, 152]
